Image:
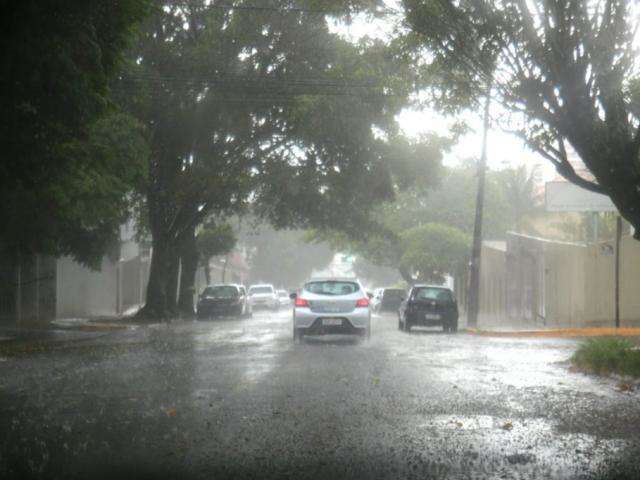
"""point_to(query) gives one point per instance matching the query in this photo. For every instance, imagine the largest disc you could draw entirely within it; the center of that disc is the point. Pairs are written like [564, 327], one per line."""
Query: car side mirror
[293, 296]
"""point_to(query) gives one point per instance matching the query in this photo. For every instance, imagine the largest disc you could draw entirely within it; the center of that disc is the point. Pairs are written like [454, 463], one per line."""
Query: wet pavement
[238, 399]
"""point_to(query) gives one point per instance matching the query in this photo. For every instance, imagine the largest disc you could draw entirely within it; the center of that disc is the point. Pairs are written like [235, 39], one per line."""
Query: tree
[285, 258]
[448, 204]
[265, 105]
[70, 160]
[519, 185]
[565, 70]
[432, 251]
[212, 241]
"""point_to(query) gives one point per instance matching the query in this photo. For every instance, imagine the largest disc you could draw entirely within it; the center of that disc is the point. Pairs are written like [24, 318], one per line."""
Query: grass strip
[607, 355]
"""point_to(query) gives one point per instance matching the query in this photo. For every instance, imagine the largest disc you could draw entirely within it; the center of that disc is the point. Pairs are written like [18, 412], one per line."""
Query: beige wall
[630, 281]
[492, 286]
[537, 282]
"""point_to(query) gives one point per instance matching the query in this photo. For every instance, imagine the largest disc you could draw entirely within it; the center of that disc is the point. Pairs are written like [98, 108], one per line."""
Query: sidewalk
[558, 332]
[95, 324]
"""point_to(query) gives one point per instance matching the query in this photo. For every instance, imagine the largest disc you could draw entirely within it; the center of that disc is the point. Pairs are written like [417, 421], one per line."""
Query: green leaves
[433, 250]
[214, 240]
[69, 161]
[567, 70]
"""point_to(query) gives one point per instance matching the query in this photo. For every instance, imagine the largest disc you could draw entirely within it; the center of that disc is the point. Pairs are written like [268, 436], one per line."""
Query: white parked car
[283, 296]
[331, 306]
[264, 296]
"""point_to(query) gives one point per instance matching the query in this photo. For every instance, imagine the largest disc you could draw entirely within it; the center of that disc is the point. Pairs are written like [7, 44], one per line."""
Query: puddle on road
[486, 422]
[510, 445]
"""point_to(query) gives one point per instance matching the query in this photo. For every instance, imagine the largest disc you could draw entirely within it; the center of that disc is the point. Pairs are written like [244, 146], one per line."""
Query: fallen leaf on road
[507, 426]
[169, 412]
[625, 387]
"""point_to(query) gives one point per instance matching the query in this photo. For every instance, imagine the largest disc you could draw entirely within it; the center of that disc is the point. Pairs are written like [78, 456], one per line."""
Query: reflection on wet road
[238, 399]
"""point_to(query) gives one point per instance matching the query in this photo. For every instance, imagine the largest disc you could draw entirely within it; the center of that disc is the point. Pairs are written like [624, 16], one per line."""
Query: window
[393, 293]
[437, 294]
[332, 287]
[259, 290]
[222, 291]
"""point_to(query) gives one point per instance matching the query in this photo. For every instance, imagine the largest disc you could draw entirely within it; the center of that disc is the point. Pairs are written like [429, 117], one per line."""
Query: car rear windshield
[332, 287]
[222, 291]
[389, 293]
[254, 290]
[438, 294]
[283, 293]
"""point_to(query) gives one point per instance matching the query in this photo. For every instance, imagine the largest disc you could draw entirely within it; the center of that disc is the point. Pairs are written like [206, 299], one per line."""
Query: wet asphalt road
[237, 399]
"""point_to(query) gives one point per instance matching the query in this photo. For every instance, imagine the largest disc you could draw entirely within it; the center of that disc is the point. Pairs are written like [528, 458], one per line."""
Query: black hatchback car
[223, 300]
[429, 306]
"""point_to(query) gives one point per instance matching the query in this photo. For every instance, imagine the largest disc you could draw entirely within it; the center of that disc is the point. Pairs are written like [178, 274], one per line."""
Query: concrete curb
[558, 333]
[105, 327]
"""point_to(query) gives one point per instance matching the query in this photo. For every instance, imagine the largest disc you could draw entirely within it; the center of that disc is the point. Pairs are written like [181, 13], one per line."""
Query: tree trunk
[224, 268]
[207, 271]
[156, 303]
[189, 267]
[173, 278]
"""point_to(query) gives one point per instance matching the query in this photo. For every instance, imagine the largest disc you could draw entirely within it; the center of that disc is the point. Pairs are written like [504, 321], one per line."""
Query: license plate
[432, 316]
[331, 322]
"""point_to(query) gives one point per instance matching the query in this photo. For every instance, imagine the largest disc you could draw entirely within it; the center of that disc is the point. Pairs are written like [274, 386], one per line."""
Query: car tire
[400, 324]
[407, 326]
[297, 335]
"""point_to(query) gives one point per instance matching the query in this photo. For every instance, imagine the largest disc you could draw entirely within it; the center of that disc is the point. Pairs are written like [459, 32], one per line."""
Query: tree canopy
[266, 107]
[566, 72]
[70, 159]
[425, 232]
[433, 250]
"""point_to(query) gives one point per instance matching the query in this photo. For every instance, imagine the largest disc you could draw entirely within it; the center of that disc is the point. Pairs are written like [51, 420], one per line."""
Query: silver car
[331, 306]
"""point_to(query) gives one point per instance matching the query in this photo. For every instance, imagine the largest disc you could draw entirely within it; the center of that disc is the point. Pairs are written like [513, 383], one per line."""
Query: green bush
[608, 355]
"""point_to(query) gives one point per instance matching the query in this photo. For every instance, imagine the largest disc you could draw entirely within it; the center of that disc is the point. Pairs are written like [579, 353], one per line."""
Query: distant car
[387, 299]
[331, 306]
[264, 296]
[283, 296]
[223, 300]
[429, 306]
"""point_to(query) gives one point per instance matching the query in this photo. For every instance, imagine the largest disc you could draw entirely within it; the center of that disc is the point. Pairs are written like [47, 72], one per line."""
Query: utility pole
[617, 268]
[473, 299]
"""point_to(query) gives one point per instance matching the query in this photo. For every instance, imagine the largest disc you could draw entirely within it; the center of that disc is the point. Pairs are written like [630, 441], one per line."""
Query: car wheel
[297, 335]
[407, 325]
[400, 324]
[453, 327]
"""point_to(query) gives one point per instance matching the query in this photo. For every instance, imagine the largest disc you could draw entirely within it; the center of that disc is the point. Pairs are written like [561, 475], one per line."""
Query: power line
[251, 80]
[321, 11]
[253, 87]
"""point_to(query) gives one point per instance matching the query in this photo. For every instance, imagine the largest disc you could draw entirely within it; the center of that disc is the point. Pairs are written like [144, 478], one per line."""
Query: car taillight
[301, 302]
[363, 302]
